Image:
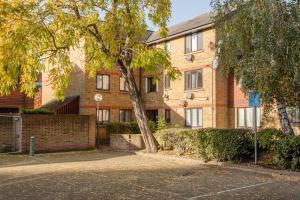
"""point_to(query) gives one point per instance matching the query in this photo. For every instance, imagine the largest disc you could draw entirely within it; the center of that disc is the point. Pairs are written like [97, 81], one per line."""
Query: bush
[37, 111]
[287, 153]
[134, 127]
[180, 140]
[267, 139]
[224, 144]
[122, 128]
[161, 123]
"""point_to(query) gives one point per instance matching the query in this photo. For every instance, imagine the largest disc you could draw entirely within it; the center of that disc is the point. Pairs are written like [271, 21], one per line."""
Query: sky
[183, 10]
[186, 9]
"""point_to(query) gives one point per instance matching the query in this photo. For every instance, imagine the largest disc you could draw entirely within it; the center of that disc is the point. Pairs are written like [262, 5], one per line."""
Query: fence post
[31, 146]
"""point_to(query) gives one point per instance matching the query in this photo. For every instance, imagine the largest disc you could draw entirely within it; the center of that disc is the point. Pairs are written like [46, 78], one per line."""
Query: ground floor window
[194, 117]
[168, 116]
[245, 117]
[125, 116]
[294, 114]
[103, 116]
[152, 115]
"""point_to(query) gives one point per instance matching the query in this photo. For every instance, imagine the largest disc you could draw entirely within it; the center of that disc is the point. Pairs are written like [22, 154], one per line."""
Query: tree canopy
[35, 31]
[259, 41]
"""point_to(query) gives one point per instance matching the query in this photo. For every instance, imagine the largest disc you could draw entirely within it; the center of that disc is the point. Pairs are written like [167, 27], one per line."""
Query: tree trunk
[284, 120]
[149, 140]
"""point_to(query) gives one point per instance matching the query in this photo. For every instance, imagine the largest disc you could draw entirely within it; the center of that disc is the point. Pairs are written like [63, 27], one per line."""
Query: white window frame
[198, 84]
[247, 117]
[193, 42]
[190, 121]
[100, 78]
[148, 80]
[103, 116]
[126, 113]
[124, 84]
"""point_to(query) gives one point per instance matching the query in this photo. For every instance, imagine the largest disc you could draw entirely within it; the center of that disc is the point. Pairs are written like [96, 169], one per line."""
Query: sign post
[254, 101]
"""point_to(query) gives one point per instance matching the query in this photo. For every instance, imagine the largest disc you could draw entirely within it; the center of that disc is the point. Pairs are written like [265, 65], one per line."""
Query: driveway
[114, 175]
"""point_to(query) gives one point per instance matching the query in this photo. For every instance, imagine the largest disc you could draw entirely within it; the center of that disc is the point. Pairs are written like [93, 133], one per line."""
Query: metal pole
[31, 146]
[97, 127]
[255, 133]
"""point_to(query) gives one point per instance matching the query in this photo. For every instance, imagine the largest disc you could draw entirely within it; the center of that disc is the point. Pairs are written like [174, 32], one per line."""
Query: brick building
[202, 97]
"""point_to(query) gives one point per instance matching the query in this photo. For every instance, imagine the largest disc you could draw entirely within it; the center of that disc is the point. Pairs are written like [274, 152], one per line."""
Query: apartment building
[202, 97]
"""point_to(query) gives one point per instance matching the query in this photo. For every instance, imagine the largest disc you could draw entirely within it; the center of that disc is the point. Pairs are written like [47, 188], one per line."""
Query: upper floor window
[125, 116]
[193, 80]
[194, 117]
[245, 117]
[103, 116]
[150, 86]
[193, 42]
[102, 82]
[167, 82]
[123, 84]
[293, 114]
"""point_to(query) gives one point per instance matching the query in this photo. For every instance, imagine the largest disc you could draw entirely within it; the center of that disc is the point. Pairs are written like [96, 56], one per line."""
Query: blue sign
[254, 99]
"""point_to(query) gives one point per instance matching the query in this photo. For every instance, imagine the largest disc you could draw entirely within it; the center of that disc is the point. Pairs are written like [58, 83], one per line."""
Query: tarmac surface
[112, 175]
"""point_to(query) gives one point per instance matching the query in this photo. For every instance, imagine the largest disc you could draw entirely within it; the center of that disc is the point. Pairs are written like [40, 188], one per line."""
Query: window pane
[105, 82]
[106, 115]
[188, 43]
[167, 116]
[100, 116]
[188, 117]
[99, 82]
[194, 42]
[167, 82]
[200, 117]
[194, 80]
[121, 115]
[188, 80]
[258, 117]
[168, 47]
[122, 83]
[128, 116]
[249, 117]
[200, 41]
[195, 120]
[241, 117]
[199, 79]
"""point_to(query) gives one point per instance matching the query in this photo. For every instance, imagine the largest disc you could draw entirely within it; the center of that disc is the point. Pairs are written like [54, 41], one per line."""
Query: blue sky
[186, 9]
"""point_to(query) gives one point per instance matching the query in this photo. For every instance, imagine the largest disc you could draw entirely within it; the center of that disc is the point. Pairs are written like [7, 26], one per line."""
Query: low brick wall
[58, 132]
[126, 141]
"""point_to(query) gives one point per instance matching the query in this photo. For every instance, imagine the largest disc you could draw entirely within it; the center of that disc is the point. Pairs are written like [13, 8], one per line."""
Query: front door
[152, 115]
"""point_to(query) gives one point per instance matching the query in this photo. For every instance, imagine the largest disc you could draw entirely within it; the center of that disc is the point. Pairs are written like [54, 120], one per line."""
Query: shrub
[117, 128]
[267, 139]
[178, 139]
[134, 128]
[224, 144]
[152, 125]
[287, 153]
[37, 111]
[161, 123]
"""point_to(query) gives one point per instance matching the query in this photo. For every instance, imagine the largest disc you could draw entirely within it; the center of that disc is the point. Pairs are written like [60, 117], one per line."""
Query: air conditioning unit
[189, 57]
[190, 95]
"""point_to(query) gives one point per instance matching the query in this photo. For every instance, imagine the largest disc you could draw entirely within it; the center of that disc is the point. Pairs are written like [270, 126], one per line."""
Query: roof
[184, 27]
[55, 104]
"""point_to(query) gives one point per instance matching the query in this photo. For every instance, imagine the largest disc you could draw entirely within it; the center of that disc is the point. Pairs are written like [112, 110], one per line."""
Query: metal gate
[10, 133]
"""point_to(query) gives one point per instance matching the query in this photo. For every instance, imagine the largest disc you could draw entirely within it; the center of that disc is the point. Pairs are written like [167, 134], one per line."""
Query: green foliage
[122, 128]
[267, 139]
[110, 34]
[182, 141]
[258, 41]
[153, 126]
[161, 123]
[288, 153]
[224, 144]
[36, 111]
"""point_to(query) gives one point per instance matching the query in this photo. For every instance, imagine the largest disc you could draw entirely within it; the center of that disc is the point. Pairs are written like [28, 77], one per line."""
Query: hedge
[287, 153]
[225, 144]
[268, 138]
[36, 111]
[122, 128]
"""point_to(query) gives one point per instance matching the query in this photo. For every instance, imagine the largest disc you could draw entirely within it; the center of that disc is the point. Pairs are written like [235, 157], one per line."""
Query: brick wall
[16, 100]
[58, 132]
[7, 133]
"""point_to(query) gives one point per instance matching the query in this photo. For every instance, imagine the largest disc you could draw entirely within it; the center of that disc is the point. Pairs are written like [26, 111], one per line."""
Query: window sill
[194, 52]
[150, 92]
[194, 90]
[100, 90]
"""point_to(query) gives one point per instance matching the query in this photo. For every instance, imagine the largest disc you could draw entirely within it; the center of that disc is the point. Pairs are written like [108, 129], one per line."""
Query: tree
[110, 31]
[258, 41]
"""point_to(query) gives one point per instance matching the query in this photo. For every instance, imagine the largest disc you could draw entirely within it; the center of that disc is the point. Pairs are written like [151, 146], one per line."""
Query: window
[103, 116]
[102, 82]
[193, 117]
[123, 84]
[125, 116]
[193, 80]
[294, 114]
[152, 115]
[193, 42]
[168, 116]
[150, 86]
[168, 47]
[167, 82]
[245, 117]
